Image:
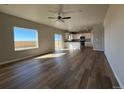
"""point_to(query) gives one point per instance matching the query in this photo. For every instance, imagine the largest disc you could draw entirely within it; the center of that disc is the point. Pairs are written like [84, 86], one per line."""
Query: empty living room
[61, 46]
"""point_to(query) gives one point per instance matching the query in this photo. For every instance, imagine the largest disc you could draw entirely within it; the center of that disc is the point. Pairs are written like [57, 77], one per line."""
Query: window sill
[28, 48]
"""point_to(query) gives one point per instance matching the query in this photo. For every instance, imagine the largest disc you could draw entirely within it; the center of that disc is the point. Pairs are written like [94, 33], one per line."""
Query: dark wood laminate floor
[76, 69]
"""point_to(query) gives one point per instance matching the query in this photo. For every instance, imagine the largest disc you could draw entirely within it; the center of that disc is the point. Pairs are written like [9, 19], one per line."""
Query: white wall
[98, 37]
[45, 37]
[114, 40]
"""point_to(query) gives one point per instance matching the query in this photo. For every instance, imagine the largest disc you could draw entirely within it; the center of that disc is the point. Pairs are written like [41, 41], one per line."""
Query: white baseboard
[18, 59]
[121, 85]
[98, 49]
[14, 60]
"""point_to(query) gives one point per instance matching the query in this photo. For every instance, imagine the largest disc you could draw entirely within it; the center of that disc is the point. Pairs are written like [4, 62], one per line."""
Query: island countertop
[77, 40]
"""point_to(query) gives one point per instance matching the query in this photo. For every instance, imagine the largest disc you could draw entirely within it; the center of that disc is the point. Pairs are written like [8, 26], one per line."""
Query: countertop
[78, 40]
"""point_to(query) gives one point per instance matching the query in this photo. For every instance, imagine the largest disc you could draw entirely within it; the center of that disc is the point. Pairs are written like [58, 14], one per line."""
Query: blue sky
[24, 34]
[57, 37]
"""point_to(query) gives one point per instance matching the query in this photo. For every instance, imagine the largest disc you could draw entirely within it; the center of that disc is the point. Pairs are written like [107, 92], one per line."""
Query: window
[25, 38]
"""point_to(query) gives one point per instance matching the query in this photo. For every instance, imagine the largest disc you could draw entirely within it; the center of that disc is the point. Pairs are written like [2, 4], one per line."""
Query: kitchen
[78, 40]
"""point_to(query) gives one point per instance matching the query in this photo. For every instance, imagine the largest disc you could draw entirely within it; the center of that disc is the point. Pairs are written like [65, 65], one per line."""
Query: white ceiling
[82, 15]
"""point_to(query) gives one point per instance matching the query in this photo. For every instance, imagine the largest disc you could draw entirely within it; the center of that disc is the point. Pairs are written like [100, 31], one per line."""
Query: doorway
[58, 41]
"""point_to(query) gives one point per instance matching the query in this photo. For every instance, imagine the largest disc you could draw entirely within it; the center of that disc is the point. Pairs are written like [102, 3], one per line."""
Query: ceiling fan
[59, 17]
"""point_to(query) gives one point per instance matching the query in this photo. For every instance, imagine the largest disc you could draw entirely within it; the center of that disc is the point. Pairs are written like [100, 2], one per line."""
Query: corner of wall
[115, 74]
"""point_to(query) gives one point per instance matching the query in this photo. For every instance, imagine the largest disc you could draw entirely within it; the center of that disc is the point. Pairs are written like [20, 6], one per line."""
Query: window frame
[26, 48]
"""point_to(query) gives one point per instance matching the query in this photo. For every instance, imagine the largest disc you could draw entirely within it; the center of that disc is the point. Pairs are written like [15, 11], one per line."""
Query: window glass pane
[58, 41]
[25, 38]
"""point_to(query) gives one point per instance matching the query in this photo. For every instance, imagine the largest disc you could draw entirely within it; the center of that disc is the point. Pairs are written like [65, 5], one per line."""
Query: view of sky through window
[57, 37]
[25, 38]
[24, 34]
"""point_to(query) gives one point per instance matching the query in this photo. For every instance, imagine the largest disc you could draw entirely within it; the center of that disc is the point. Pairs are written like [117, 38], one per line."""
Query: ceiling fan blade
[66, 18]
[52, 17]
[61, 20]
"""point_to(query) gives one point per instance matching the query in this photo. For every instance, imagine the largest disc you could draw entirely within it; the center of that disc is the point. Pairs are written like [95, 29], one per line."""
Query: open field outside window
[25, 38]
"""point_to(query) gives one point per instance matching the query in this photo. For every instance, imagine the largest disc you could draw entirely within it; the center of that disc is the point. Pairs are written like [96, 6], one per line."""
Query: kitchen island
[73, 45]
[76, 43]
